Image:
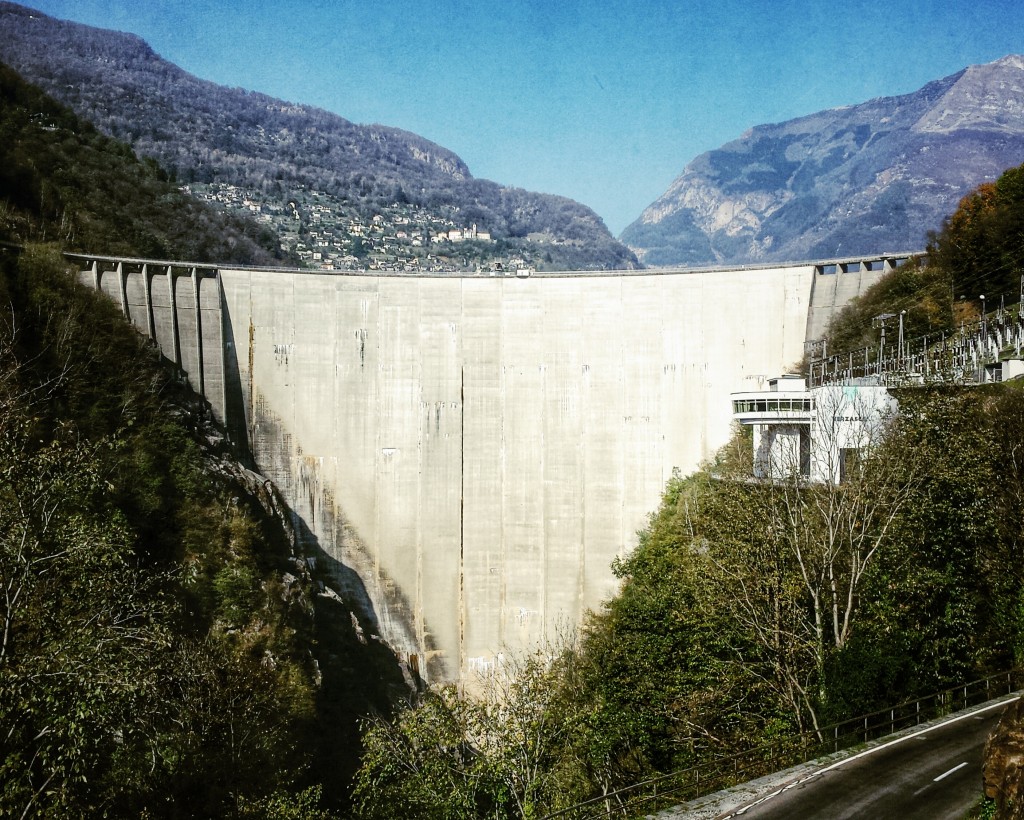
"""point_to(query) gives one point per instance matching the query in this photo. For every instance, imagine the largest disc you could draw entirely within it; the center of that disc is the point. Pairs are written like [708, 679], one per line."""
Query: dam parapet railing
[864, 263]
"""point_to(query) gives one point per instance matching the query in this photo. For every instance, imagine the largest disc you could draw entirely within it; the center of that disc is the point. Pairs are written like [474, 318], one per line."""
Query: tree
[422, 764]
[501, 753]
[658, 672]
[981, 243]
[947, 595]
[123, 688]
[789, 554]
[82, 629]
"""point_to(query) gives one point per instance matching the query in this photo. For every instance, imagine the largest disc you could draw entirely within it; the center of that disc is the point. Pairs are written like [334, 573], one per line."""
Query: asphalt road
[930, 775]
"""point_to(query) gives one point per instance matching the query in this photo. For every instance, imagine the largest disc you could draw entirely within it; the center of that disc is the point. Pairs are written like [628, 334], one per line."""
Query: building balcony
[777, 407]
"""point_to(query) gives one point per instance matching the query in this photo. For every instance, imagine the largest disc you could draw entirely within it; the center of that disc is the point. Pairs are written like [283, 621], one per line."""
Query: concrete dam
[467, 454]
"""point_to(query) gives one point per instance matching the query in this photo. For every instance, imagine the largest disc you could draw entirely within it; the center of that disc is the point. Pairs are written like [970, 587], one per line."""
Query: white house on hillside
[817, 434]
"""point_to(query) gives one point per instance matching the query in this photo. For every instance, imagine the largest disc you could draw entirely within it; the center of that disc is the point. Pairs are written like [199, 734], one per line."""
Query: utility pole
[879, 321]
[983, 347]
[902, 314]
[984, 324]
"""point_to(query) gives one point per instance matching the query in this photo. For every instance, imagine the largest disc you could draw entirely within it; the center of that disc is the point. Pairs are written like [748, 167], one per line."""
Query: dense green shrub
[978, 251]
[149, 662]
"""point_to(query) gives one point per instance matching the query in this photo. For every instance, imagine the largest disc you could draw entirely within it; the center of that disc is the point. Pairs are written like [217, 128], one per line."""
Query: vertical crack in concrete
[462, 518]
[252, 335]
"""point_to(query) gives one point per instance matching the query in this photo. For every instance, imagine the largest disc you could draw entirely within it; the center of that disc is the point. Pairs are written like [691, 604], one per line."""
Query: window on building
[849, 463]
[805, 452]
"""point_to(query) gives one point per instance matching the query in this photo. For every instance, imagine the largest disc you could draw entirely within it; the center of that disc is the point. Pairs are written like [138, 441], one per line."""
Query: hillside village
[326, 234]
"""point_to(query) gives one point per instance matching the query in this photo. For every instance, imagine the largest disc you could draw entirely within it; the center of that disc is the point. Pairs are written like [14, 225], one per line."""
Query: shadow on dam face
[345, 584]
[342, 580]
[342, 561]
[343, 587]
[360, 674]
[234, 398]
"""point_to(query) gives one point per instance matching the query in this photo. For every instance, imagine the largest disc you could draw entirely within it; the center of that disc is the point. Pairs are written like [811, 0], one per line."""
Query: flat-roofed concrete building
[817, 433]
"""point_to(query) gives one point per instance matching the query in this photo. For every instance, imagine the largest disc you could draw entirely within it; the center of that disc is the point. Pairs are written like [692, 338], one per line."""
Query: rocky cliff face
[1004, 764]
[860, 179]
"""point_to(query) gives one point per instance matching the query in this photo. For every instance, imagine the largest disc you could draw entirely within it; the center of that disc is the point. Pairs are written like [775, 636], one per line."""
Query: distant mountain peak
[1009, 61]
[865, 178]
[989, 96]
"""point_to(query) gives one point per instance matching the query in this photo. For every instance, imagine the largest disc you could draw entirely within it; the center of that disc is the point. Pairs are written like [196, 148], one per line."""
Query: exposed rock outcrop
[861, 179]
[1003, 770]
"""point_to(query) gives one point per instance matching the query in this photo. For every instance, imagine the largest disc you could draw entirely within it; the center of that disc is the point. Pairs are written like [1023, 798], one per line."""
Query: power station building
[817, 434]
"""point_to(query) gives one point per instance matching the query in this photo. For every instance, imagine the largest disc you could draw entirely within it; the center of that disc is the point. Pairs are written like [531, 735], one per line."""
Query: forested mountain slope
[164, 648]
[202, 133]
[62, 180]
[860, 179]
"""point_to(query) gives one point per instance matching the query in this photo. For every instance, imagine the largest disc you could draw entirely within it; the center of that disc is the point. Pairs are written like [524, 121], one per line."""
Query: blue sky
[603, 101]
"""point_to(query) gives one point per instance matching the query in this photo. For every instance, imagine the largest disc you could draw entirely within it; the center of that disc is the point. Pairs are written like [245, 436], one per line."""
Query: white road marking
[918, 734]
[947, 774]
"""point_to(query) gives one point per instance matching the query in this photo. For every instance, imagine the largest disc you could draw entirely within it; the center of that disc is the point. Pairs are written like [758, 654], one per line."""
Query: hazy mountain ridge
[202, 132]
[867, 178]
[60, 179]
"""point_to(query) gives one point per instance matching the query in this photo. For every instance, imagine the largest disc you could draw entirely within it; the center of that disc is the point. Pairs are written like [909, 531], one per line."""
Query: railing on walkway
[688, 784]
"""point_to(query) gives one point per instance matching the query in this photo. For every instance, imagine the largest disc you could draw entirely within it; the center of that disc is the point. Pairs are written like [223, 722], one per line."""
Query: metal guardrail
[681, 786]
[953, 356]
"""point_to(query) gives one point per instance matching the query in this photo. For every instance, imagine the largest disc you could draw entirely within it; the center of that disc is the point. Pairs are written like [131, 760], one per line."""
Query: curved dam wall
[467, 455]
[479, 450]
